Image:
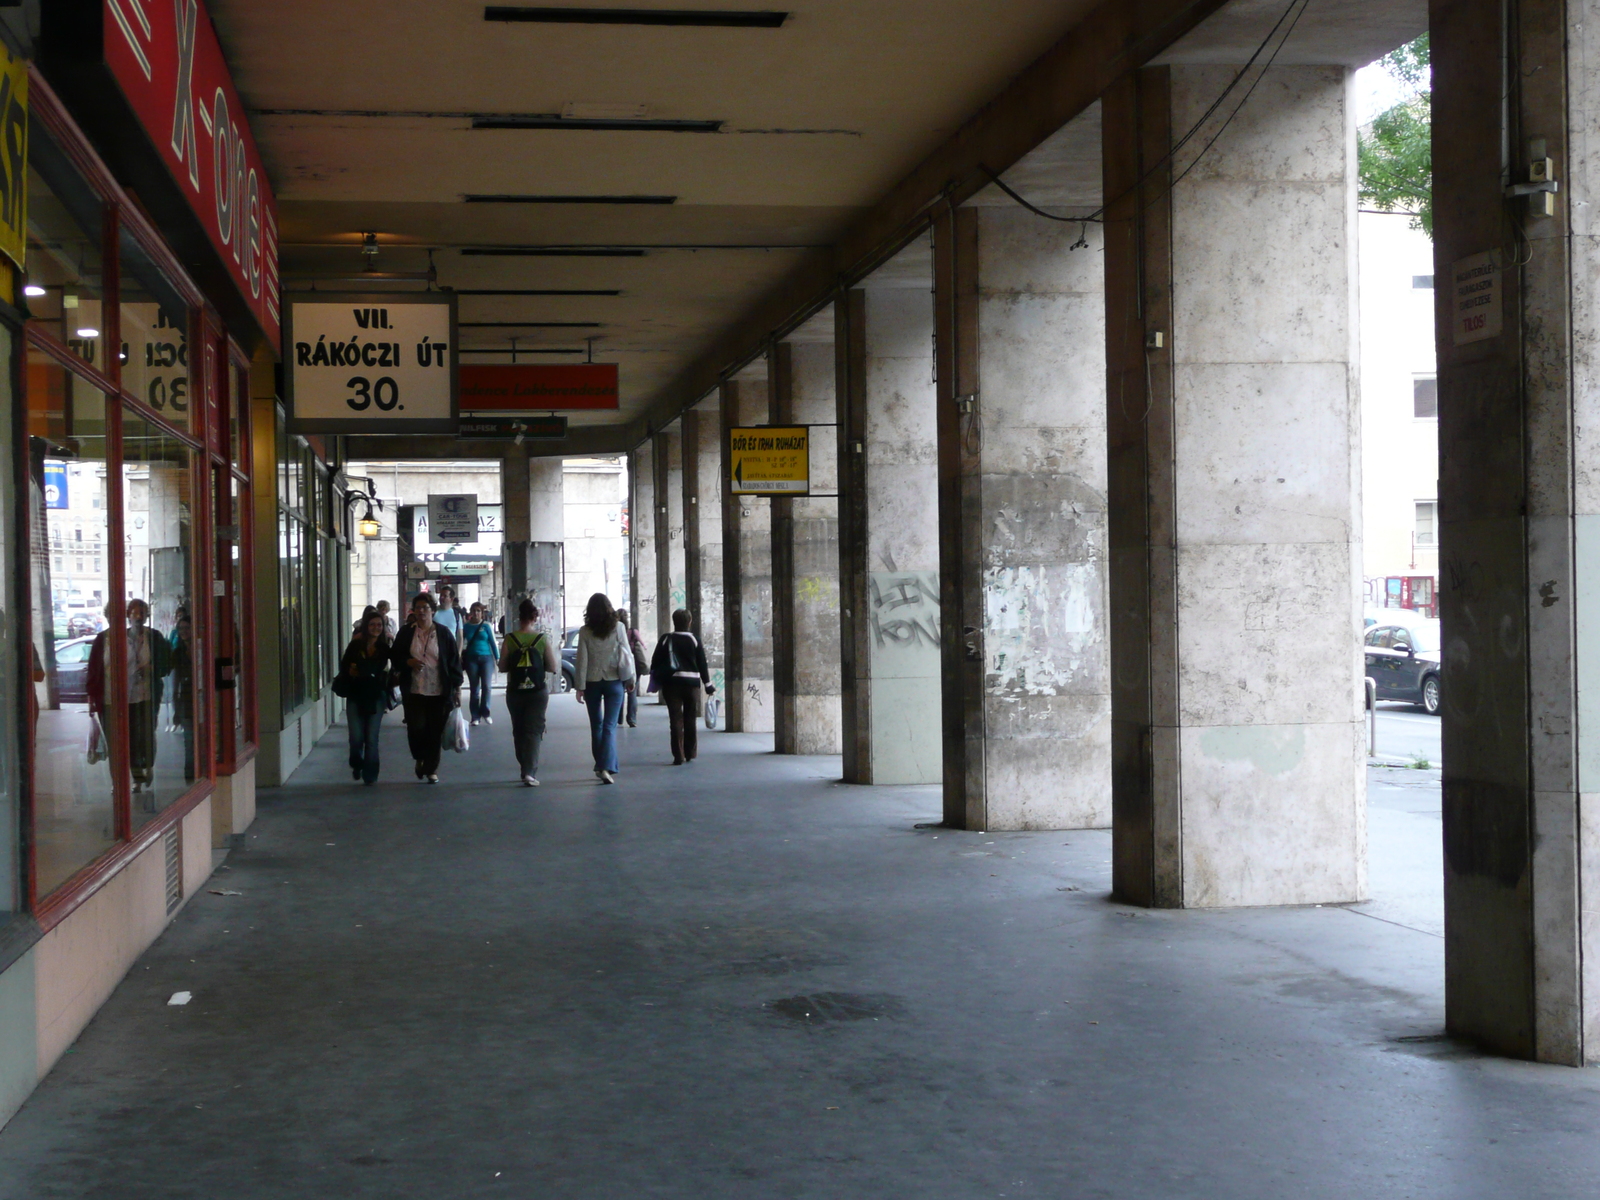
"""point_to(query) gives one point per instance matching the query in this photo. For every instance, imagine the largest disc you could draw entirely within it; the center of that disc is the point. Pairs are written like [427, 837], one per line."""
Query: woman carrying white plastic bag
[456, 736]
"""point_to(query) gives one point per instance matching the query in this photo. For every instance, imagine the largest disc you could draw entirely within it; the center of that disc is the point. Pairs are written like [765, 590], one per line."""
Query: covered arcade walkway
[747, 979]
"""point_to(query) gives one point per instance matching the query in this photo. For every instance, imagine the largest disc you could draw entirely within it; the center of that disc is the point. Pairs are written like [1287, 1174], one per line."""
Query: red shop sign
[165, 57]
[537, 387]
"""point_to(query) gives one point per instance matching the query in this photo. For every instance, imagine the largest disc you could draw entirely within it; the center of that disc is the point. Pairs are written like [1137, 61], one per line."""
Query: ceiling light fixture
[702, 17]
[87, 332]
[615, 124]
[538, 291]
[472, 198]
[33, 289]
[547, 252]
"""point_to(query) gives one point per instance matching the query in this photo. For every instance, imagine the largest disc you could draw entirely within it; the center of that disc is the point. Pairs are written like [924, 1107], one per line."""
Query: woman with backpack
[363, 681]
[528, 659]
[478, 655]
[680, 671]
[604, 675]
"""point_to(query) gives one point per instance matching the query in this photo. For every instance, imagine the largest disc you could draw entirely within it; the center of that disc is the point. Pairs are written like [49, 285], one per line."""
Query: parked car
[569, 659]
[72, 670]
[1403, 660]
[1409, 617]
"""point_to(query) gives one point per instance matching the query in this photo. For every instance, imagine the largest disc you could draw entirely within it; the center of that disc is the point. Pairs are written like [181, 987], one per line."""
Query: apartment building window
[1427, 522]
[1425, 397]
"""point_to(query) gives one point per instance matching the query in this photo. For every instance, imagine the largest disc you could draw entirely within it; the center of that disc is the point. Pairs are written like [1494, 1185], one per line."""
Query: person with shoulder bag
[641, 667]
[604, 674]
[527, 660]
[478, 655]
[679, 668]
[427, 665]
[363, 681]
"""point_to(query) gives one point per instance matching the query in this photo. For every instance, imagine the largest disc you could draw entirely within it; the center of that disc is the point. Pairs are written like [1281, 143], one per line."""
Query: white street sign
[453, 519]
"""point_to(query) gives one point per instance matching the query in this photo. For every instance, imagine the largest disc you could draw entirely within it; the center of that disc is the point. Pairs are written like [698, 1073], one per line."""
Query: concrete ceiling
[364, 112]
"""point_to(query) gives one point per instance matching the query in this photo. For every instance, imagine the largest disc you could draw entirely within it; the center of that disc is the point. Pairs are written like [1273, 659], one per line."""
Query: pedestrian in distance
[641, 666]
[447, 614]
[679, 669]
[527, 660]
[479, 653]
[604, 675]
[390, 629]
[427, 667]
[363, 681]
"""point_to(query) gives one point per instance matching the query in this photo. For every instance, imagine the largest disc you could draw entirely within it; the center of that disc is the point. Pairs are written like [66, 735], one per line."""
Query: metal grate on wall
[173, 850]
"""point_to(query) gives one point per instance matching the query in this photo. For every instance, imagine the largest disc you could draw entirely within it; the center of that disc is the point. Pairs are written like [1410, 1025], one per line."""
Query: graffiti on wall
[905, 609]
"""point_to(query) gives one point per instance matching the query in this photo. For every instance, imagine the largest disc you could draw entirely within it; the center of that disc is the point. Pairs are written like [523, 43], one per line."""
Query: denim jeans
[604, 701]
[364, 730]
[480, 677]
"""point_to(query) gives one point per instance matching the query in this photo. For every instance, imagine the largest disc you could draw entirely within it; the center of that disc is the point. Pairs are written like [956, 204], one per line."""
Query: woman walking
[604, 674]
[528, 659]
[679, 664]
[478, 655]
[429, 668]
[364, 684]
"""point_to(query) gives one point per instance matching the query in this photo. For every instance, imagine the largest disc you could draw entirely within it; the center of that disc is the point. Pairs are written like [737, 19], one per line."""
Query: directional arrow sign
[770, 460]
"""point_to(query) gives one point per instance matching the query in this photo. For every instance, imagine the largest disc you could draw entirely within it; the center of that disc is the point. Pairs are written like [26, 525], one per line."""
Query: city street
[1403, 732]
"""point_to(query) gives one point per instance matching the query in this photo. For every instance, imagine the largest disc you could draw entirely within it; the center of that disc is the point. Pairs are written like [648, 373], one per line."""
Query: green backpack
[527, 669]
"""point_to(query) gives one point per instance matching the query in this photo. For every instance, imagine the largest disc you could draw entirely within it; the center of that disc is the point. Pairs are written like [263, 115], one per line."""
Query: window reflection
[155, 337]
[65, 280]
[158, 506]
[74, 727]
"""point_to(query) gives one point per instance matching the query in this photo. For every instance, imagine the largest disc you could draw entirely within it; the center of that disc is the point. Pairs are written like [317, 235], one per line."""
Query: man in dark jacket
[428, 664]
[679, 669]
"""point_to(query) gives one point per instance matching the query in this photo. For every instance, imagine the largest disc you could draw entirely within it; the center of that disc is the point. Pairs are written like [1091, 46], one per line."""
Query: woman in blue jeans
[365, 687]
[604, 675]
[478, 657]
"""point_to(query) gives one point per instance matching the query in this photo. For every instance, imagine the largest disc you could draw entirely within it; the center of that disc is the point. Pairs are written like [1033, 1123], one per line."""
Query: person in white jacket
[604, 675]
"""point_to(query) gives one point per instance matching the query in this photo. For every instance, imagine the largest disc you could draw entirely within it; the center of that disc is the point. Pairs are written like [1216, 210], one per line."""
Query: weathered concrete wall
[1023, 514]
[670, 563]
[1235, 496]
[645, 609]
[902, 536]
[702, 531]
[747, 574]
[1519, 502]
[805, 561]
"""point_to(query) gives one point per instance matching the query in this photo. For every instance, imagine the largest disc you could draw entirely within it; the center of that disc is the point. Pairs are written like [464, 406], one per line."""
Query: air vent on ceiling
[704, 17]
[507, 198]
[615, 124]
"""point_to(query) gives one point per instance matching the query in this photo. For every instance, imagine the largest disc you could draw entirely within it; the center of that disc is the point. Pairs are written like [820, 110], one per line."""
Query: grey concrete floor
[744, 979]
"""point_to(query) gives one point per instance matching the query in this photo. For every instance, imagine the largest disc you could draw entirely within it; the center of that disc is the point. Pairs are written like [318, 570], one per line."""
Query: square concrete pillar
[1022, 514]
[702, 531]
[888, 536]
[805, 559]
[670, 564]
[747, 572]
[1519, 502]
[645, 610]
[1237, 702]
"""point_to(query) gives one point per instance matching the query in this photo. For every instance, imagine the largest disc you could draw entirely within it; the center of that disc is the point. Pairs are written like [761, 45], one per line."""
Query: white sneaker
[606, 777]
[488, 720]
[433, 779]
[529, 781]
[474, 722]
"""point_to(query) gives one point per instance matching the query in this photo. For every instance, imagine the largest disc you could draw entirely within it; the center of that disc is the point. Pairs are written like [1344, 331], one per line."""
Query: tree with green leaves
[1395, 153]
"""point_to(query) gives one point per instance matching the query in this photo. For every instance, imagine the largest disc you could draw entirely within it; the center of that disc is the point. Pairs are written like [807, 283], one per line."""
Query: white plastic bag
[98, 748]
[456, 736]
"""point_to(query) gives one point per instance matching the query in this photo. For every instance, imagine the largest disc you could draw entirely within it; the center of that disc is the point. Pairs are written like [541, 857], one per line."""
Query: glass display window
[155, 337]
[65, 281]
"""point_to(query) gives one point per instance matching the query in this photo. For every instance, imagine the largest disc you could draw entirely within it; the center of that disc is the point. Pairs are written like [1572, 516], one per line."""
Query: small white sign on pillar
[1476, 312]
[453, 519]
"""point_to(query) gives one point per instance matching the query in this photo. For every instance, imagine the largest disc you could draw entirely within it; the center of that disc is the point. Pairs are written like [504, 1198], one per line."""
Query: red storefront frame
[212, 357]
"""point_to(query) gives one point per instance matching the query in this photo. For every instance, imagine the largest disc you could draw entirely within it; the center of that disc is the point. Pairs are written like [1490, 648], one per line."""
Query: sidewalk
[741, 978]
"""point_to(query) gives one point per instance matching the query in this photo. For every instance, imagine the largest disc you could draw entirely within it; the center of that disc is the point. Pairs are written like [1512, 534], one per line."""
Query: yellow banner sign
[13, 157]
[770, 460]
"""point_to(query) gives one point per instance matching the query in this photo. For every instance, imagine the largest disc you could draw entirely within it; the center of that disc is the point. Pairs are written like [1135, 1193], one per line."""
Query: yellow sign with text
[770, 460]
[13, 157]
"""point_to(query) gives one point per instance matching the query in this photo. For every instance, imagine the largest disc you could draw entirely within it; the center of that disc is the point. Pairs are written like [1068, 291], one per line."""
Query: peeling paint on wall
[1040, 629]
[1270, 749]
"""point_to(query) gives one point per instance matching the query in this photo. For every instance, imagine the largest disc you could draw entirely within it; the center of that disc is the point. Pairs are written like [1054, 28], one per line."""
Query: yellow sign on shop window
[13, 157]
[770, 460]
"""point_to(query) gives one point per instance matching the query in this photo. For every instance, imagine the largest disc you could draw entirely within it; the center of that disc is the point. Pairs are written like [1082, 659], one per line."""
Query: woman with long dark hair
[604, 674]
[528, 659]
[364, 684]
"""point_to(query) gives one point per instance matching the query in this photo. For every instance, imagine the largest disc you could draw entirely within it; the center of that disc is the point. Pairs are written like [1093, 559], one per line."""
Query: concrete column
[533, 519]
[642, 542]
[1519, 501]
[702, 530]
[670, 565]
[1022, 512]
[805, 560]
[747, 572]
[888, 535]
[1238, 751]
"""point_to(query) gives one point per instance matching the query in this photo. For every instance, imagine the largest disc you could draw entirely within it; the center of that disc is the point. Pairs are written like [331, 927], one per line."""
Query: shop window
[1425, 398]
[238, 414]
[75, 675]
[11, 882]
[155, 337]
[65, 278]
[1427, 522]
[158, 500]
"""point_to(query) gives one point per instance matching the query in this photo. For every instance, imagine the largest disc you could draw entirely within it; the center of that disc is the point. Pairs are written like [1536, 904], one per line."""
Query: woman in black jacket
[679, 669]
[364, 684]
[428, 664]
